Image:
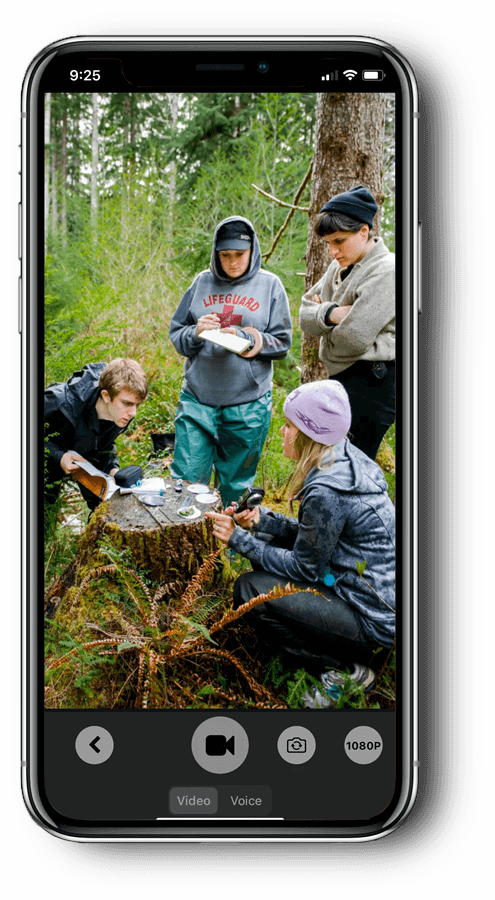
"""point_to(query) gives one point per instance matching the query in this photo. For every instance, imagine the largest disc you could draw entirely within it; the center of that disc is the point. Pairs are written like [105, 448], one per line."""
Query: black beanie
[358, 203]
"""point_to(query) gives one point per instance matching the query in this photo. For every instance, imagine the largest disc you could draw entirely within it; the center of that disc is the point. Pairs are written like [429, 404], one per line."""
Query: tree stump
[164, 546]
[129, 609]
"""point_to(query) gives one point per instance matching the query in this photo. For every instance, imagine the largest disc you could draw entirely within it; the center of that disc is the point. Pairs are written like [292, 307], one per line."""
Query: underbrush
[161, 656]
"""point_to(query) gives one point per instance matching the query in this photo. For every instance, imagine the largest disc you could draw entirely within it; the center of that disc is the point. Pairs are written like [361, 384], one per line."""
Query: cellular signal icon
[350, 73]
[333, 76]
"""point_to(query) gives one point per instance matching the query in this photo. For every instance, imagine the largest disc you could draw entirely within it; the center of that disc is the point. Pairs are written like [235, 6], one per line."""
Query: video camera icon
[218, 745]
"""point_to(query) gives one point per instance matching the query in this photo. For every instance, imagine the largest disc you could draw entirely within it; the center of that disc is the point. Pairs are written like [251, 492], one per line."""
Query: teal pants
[229, 438]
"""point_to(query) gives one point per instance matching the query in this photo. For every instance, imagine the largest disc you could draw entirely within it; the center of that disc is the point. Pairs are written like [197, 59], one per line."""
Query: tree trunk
[63, 173]
[94, 165]
[47, 161]
[349, 140]
[54, 186]
[173, 101]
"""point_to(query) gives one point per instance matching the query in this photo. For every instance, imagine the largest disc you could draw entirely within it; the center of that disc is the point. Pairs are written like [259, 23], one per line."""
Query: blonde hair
[124, 374]
[310, 455]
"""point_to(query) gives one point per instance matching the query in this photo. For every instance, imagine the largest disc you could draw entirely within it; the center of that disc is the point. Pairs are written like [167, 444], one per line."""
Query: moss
[312, 355]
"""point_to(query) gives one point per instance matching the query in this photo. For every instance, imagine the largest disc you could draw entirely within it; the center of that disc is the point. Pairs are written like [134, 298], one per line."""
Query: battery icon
[373, 75]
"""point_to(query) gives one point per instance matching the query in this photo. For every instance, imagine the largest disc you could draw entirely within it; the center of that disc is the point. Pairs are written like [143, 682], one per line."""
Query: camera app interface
[218, 458]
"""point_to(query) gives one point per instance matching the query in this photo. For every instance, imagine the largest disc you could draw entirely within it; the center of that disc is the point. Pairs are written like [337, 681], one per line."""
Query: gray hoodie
[345, 516]
[217, 377]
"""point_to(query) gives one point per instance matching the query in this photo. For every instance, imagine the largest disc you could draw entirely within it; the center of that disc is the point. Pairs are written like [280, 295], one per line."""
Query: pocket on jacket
[257, 370]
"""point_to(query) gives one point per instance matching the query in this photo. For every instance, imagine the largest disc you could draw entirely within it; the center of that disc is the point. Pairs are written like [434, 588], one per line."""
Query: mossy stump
[162, 545]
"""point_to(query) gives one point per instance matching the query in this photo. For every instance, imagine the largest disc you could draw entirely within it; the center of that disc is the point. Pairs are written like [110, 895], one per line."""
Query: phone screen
[190, 673]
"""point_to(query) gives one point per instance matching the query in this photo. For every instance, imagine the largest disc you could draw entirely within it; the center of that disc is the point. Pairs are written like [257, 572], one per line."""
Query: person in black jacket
[84, 415]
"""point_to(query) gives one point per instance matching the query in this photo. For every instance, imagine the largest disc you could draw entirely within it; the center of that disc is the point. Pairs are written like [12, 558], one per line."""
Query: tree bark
[349, 141]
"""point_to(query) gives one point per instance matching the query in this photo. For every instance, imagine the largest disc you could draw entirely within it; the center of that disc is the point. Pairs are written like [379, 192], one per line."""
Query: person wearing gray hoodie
[345, 520]
[225, 405]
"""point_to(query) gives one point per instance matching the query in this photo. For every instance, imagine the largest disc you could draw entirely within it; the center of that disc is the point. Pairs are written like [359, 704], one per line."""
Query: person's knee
[251, 584]
[242, 589]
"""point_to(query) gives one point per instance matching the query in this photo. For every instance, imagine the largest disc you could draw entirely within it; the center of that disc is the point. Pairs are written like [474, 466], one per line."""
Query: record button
[220, 745]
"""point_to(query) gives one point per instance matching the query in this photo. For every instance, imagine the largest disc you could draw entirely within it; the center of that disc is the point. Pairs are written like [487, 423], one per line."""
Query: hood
[255, 261]
[74, 394]
[351, 471]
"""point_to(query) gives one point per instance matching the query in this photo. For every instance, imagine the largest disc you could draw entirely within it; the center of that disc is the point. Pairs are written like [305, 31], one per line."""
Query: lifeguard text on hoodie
[217, 377]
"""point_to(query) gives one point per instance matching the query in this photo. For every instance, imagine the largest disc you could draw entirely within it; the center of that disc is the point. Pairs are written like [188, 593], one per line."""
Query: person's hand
[339, 313]
[246, 519]
[223, 526]
[207, 323]
[316, 298]
[68, 462]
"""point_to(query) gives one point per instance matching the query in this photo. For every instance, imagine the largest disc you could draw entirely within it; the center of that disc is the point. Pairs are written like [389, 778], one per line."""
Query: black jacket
[71, 421]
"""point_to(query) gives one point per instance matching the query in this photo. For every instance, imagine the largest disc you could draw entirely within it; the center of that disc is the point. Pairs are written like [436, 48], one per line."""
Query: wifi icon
[350, 73]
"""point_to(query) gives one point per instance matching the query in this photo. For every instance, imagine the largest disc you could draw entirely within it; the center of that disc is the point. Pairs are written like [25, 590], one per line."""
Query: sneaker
[333, 683]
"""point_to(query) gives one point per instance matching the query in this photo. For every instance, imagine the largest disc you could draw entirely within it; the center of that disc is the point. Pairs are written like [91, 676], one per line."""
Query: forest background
[135, 185]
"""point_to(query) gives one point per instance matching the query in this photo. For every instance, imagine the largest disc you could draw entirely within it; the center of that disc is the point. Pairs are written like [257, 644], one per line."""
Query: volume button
[19, 321]
[420, 268]
[19, 241]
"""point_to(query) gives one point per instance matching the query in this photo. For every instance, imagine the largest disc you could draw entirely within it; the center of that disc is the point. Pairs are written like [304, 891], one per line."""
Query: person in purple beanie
[345, 516]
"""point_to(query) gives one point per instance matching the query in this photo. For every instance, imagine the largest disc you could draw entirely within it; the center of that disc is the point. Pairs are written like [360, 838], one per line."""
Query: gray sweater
[368, 331]
[217, 377]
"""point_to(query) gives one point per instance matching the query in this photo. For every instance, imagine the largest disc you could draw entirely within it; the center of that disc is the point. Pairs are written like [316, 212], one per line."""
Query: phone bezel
[30, 742]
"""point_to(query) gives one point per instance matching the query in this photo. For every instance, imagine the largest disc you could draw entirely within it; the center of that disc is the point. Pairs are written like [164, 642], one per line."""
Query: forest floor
[235, 669]
[230, 669]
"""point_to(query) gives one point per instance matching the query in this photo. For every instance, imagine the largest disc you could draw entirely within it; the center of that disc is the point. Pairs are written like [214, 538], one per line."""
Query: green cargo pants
[229, 438]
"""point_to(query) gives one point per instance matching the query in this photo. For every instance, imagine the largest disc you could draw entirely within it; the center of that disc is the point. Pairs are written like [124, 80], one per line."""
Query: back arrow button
[94, 745]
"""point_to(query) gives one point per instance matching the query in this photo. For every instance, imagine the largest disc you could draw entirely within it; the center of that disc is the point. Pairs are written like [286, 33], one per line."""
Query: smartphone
[180, 686]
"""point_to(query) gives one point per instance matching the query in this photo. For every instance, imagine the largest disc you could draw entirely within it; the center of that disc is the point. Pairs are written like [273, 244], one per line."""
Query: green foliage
[196, 626]
[299, 684]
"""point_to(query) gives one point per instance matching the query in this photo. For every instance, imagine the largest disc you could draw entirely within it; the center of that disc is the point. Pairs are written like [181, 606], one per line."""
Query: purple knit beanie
[321, 410]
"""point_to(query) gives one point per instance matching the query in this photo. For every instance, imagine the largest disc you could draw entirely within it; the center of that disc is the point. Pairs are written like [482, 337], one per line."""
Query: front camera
[263, 67]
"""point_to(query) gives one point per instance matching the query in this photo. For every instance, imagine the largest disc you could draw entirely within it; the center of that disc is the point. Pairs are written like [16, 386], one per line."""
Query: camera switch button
[296, 745]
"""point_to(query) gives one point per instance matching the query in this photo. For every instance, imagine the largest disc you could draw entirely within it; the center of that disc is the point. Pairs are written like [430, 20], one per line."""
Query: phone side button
[19, 239]
[19, 317]
[420, 268]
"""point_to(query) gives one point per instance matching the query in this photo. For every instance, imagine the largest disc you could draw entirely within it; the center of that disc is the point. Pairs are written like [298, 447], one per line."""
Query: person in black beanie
[352, 310]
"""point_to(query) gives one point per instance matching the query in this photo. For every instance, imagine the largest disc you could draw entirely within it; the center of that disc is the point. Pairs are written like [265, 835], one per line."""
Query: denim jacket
[345, 516]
